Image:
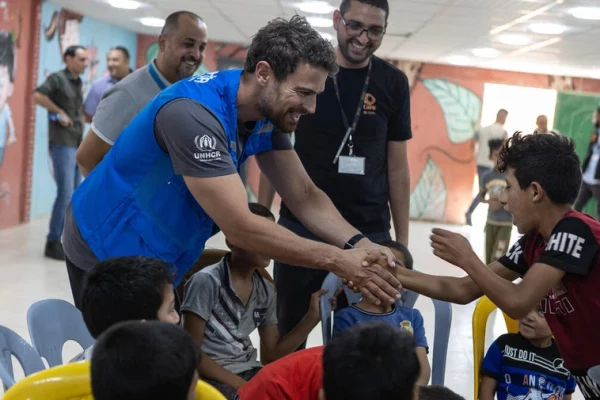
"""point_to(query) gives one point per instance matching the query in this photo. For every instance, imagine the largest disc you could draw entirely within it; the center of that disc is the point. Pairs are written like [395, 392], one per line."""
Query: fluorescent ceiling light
[547, 28]
[151, 21]
[585, 12]
[125, 4]
[326, 35]
[320, 22]
[315, 7]
[514, 39]
[526, 17]
[458, 60]
[486, 52]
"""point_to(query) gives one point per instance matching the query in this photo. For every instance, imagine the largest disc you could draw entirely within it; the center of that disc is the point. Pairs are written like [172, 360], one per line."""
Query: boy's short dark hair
[143, 360]
[438, 392]
[123, 289]
[261, 211]
[383, 4]
[7, 53]
[284, 44]
[370, 361]
[71, 51]
[392, 244]
[495, 144]
[548, 159]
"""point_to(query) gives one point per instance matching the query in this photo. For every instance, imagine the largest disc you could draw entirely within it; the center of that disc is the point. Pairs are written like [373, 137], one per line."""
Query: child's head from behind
[534, 326]
[542, 171]
[7, 67]
[250, 258]
[127, 288]
[437, 392]
[144, 360]
[400, 252]
[370, 361]
[495, 146]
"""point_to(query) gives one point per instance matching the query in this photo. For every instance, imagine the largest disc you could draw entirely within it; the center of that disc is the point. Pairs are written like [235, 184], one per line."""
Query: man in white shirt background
[482, 152]
[590, 184]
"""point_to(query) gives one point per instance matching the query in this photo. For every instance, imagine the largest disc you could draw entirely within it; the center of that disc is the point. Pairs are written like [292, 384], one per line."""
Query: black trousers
[295, 285]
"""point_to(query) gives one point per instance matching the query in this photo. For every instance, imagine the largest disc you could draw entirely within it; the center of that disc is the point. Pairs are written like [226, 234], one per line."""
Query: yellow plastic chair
[483, 309]
[72, 382]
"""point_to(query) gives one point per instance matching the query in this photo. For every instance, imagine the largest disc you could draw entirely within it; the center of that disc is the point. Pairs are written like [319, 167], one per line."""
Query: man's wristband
[353, 240]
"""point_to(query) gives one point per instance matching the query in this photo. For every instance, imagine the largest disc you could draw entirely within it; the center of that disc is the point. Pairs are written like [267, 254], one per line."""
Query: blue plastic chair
[443, 322]
[51, 324]
[11, 344]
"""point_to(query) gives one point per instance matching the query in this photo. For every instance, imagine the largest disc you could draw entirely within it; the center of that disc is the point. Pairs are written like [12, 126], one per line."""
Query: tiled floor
[26, 277]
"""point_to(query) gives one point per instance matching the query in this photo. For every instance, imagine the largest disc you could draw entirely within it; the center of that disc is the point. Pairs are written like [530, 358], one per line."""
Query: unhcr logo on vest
[207, 146]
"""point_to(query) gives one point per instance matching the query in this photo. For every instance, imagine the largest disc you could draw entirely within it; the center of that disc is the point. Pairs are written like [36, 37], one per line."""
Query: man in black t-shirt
[371, 173]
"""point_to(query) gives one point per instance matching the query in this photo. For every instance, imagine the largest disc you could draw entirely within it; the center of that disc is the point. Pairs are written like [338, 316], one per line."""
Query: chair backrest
[72, 382]
[483, 309]
[443, 322]
[11, 344]
[51, 324]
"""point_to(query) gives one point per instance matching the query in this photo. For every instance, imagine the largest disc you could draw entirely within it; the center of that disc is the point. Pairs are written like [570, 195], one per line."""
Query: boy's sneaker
[54, 250]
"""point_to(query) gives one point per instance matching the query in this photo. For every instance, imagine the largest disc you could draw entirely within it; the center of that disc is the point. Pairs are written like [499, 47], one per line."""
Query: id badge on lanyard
[351, 164]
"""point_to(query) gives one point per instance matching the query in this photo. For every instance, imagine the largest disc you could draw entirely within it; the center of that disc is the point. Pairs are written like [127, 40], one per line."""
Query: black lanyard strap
[350, 129]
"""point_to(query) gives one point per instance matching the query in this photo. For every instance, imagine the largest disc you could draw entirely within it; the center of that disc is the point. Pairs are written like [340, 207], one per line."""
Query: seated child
[224, 303]
[367, 361]
[123, 289]
[526, 365]
[437, 392]
[144, 360]
[408, 319]
[498, 226]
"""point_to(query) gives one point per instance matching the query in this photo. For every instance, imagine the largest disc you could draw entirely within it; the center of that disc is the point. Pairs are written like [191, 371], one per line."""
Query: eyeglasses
[355, 28]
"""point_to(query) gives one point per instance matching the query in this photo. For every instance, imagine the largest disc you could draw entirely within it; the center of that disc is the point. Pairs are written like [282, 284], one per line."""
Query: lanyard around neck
[350, 129]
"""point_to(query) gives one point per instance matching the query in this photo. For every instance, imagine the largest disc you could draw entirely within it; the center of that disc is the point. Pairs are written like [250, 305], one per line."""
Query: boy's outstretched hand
[314, 312]
[451, 247]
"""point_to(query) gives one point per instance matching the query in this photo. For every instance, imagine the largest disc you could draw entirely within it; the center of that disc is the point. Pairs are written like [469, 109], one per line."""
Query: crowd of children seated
[378, 351]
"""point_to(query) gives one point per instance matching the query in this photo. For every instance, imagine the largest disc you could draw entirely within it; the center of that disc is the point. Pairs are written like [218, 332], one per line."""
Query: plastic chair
[443, 322]
[483, 309]
[11, 344]
[51, 324]
[72, 382]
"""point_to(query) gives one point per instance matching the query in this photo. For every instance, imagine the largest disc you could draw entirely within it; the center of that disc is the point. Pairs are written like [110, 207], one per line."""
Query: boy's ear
[321, 394]
[537, 192]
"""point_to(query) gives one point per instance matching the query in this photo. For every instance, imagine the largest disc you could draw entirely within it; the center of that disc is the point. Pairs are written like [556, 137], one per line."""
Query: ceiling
[441, 31]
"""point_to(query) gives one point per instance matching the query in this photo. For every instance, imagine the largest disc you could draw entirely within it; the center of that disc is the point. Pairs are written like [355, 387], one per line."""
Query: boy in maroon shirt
[557, 256]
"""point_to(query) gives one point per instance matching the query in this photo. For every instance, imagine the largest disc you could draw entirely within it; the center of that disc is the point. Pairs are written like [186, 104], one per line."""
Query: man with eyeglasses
[353, 147]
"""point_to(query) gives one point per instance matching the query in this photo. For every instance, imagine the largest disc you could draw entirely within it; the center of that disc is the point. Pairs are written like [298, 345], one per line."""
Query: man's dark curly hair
[546, 158]
[284, 44]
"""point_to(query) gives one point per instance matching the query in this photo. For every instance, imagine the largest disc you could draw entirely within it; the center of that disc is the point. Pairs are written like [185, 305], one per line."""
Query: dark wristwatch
[353, 240]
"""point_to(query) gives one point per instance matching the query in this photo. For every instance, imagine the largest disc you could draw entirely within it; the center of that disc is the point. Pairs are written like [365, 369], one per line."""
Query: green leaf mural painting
[460, 106]
[428, 199]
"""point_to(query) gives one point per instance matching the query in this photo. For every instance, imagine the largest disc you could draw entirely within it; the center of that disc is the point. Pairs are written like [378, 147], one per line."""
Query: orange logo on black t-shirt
[369, 106]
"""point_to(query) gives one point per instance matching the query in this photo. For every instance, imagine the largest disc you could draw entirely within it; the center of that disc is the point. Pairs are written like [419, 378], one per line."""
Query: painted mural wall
[445, 108]
[61, 28]
[17, 19]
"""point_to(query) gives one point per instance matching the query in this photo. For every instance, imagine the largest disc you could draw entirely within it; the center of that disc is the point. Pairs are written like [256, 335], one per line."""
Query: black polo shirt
[65, 90]
[361, 199]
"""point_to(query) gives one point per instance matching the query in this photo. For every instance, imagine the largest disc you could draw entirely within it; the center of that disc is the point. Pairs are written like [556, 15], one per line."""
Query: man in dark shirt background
[61, 94]
[371, 173]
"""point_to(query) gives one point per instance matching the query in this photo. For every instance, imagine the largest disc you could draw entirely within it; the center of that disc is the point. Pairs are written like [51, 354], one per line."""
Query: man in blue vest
[171, 179]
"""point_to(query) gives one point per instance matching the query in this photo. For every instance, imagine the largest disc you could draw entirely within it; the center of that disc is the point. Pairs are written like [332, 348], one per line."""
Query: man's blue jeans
[67, 177]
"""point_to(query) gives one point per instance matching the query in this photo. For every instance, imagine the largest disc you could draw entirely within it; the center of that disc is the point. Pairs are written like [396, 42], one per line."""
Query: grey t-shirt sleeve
[271, 316]
[281, 141]
[194, 139]
[116, 110]
[201, 295]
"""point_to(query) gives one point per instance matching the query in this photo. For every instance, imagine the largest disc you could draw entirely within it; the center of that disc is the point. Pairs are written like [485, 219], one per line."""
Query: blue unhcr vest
[133, 203]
